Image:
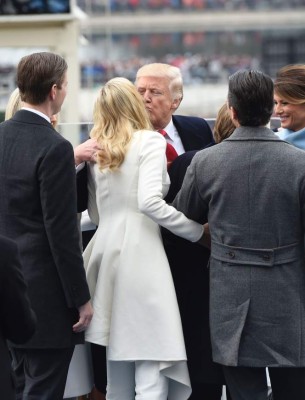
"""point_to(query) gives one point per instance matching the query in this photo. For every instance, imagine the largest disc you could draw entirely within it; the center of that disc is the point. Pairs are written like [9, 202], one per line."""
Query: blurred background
[100, 39]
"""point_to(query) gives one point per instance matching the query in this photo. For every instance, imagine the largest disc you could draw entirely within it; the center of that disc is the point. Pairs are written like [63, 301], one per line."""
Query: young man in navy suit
[38, 211]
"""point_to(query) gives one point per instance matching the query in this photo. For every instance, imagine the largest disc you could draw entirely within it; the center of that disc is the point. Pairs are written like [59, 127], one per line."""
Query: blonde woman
[135, 308]
[13, 104]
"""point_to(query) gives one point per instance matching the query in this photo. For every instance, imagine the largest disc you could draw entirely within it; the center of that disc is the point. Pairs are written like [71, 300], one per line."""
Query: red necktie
[171, 153]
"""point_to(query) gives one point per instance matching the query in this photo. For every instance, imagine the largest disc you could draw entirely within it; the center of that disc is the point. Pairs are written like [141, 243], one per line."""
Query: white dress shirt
[172, 137]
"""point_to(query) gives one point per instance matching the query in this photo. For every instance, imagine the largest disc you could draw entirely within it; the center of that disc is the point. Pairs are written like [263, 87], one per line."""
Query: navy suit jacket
[38, 211]
[195, 132]
[17, 319]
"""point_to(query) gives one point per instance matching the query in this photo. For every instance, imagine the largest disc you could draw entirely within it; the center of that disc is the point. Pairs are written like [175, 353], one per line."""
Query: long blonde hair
[119, 111]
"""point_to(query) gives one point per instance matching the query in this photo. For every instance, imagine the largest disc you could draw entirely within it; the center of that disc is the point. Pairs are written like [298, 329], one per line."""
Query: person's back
[25, 159]
[264, 188]
[136, 311]
[261, 208]
[38, 211]
[253, 198]
[21, 163]
[117, 192]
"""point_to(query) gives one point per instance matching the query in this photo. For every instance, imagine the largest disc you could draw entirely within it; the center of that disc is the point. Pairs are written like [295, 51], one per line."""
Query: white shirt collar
[170, 130]
[37, 112]
[172, 137]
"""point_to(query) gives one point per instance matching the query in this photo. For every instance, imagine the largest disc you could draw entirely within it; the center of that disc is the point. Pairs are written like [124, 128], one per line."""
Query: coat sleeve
[92, 205]
[58, 201]
[152, 165]
[82, 189]
[188, 199]
[18, 321]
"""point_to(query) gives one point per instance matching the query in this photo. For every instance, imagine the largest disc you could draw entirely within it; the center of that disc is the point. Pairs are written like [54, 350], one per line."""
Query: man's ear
[232, 112]
[233, 115]
[176, 103]
[53, 91]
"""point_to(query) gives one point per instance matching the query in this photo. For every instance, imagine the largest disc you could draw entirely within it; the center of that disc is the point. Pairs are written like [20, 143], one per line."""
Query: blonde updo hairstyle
[119, 111]
[289, 83]
[13, 104]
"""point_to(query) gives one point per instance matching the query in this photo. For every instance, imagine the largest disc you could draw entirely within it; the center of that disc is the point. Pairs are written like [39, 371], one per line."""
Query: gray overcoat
[251, 189]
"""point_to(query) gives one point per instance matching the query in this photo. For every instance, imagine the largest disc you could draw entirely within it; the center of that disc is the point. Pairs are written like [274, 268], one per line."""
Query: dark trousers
[206, 391]
[99, 367]
[41, 374]
[247, 383]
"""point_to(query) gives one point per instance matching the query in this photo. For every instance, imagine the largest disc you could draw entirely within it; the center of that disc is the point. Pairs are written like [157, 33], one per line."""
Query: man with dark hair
[254, 201]
[38, 211]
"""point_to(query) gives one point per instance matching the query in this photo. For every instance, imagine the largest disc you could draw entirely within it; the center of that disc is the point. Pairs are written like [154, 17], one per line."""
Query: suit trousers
[41, 374]
[98, 353]
[135, 380]
[206, 391]
[246, 383]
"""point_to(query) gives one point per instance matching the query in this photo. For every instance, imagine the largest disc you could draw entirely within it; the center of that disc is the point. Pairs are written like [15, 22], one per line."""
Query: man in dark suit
[161, 86]
[17, 319]
[162, 89]
[38, 210]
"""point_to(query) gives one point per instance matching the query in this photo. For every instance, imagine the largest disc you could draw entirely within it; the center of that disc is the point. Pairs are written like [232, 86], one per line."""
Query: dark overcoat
[254, 200]
[38, 211]
[189, 261]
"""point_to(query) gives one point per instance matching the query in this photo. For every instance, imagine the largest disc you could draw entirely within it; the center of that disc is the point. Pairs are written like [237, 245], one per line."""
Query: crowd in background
[196, 68]
[213, 5]
[34, 6]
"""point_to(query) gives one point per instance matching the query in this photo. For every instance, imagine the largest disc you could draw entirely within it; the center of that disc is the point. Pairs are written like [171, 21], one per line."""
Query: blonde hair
[119, 111]
[289, 83]
[13, 105]
[224, 126]
[159, 70]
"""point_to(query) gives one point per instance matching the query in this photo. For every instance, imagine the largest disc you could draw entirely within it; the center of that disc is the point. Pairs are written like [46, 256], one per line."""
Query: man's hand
[205, 239]
[85, 317]
[86, 151]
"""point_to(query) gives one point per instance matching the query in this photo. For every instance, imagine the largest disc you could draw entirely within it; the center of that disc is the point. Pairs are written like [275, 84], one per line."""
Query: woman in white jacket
[136, 314]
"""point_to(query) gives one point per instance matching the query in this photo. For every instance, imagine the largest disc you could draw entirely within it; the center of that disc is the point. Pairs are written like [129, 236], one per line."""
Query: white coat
[135, 307]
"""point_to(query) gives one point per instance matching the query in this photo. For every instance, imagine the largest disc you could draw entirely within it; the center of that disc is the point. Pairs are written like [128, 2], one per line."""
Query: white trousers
[140, 380]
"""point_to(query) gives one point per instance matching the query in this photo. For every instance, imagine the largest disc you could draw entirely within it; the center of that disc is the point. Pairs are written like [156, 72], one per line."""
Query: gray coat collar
[259, 133]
